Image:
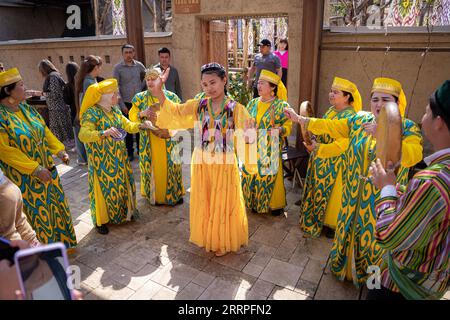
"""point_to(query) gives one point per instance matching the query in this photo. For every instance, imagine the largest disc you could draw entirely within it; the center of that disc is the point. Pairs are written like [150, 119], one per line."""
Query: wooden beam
[135, 27]
[312, 23]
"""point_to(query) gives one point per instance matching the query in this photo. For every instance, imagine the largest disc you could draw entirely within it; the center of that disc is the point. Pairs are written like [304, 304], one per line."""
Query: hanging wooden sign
[187, 6]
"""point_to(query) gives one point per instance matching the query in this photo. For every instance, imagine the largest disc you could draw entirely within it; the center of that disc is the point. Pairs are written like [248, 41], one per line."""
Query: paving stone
[191, 292]
[147, 291]
[229, 275]
[253, 269]
[306, 288]
[165, 294]
[280, 293]
[313, 271]
[269, 236]
[263, 255]
[175, 276]
[233, 260]
[330, 289]
[264, 288]
[134, 280]
[220, 290]
[203, 279]
[192, 259]
[136, 259]
[282, 274]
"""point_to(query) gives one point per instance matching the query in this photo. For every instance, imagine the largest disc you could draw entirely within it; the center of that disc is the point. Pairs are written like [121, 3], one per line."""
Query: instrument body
[306, 111]
[389, 135]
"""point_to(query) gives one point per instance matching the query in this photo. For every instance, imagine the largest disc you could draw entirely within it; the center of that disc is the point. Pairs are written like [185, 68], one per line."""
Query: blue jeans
[81, 151]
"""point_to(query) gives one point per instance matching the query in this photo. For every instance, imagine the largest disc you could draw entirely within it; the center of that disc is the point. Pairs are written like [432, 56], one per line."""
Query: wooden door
[215, 42]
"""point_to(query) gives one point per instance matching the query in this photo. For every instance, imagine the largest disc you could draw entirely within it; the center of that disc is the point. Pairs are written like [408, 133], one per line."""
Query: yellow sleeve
[287, 128]
[88, 132]
[54, 144]
[412, 151]
[129, 126]
[334, 149]
[336, 128]
[133, 113]
[14, 157]
[175, 116]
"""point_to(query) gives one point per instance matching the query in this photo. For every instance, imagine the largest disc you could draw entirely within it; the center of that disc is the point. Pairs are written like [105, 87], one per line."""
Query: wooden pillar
[135, 27]
[312, 22]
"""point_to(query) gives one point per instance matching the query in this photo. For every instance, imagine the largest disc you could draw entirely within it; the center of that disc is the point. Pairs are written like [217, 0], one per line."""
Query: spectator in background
[87, 75]
[59, 113]
[129, 74]
[283, 54]
[69, 98]
[264, 60]
[2, 67]
[173, 81]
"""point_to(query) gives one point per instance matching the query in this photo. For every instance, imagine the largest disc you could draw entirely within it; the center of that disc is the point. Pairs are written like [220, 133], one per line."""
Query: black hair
[71, 70]
[284, 40]
[127, 46]
[274, 87]
[163, 50]
[220, 72]
[436, 110]
[9, 87]
[350, 98]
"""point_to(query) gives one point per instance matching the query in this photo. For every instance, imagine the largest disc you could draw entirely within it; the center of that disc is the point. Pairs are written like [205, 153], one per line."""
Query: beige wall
[402, 66]
[186, 39]
[27, 54]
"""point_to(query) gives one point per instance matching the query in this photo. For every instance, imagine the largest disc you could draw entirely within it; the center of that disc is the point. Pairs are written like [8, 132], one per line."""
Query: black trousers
[384, 294]
[130, 137]
[284, 76]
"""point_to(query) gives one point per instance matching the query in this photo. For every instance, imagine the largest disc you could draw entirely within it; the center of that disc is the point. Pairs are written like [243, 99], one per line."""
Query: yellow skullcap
[348, 86]
[275, 79]
[392, 87]
[9, 77]
[95, 91]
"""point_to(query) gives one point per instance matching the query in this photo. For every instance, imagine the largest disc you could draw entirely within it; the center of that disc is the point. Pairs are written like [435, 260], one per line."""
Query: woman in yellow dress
[264, 191]
[322, 196]
[355, 248]
[103, 128]
[26, 149]
[218, 221]
[159, 161]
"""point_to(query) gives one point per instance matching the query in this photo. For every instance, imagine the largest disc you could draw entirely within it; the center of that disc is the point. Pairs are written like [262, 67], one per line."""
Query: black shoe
[329, 233]
[181, 201]
[103, 229]
[298, 202]
[277, 212]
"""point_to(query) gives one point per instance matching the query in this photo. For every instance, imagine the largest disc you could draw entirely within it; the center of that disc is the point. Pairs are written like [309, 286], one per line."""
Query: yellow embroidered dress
[111, 184]
[161, 172]
[355, 247]
[264, 190]
[25, 143]
[218, 220]
[322, 196]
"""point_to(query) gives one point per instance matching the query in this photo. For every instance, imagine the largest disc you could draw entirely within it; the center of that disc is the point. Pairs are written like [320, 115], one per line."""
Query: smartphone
[43, 272]
[6, 251]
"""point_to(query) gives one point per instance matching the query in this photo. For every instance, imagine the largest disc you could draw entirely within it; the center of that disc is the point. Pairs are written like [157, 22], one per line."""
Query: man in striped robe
[413, 222]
